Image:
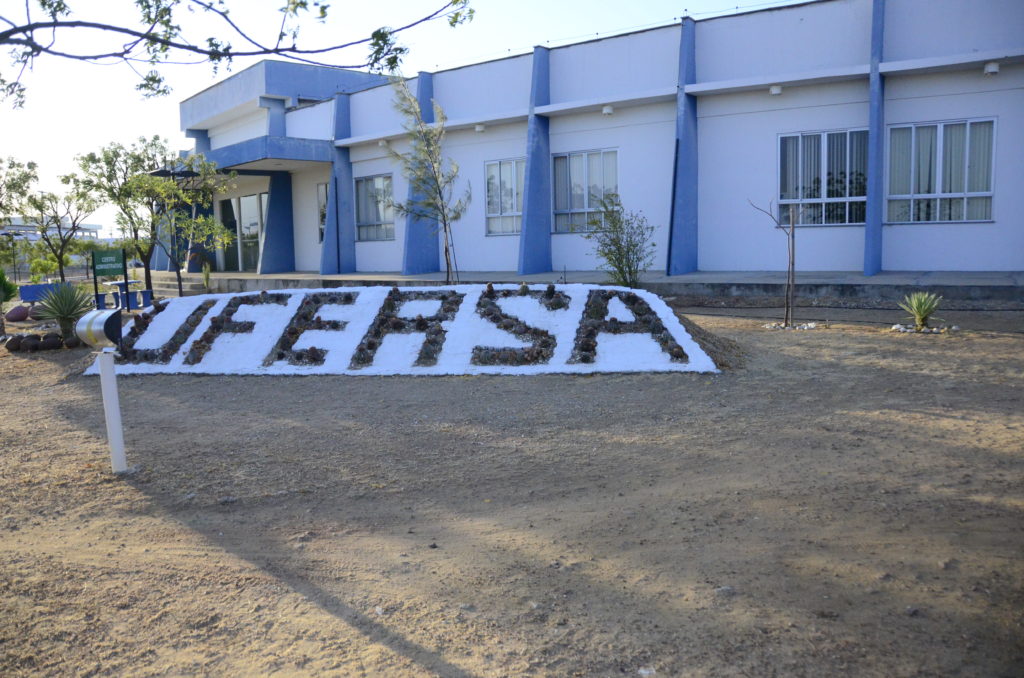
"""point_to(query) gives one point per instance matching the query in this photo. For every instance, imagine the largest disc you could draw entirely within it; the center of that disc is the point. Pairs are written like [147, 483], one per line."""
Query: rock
[912, 611]
[725, 591]
[646, 671]
[14, 343]
[17, 314]
[227, 500]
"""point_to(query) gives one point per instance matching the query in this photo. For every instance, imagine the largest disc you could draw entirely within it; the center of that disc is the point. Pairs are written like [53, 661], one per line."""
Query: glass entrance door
[250, 232]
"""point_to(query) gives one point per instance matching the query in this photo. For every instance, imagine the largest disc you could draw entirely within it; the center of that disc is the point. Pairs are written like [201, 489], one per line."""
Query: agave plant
[65, 304]
[8, 290]
[921, 306]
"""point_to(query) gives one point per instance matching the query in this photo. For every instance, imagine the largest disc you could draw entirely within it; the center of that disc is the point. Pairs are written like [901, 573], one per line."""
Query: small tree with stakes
[790, 232]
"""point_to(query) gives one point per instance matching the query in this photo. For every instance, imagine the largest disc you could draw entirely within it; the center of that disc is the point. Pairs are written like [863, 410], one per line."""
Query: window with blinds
[375, 216]
[823, 177]
[941, 171]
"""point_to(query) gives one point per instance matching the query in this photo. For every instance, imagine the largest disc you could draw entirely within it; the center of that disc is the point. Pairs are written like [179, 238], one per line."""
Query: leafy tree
[58, 218]
[622, 240]
[121, 176]
[15, 179]
[190, 191]
[432, 177]
[158, 32]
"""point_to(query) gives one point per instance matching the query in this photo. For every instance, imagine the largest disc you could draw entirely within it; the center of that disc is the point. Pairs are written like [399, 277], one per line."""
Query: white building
[896, 127]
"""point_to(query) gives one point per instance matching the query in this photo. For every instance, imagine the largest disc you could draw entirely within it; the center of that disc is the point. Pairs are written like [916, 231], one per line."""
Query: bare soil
[836, 502]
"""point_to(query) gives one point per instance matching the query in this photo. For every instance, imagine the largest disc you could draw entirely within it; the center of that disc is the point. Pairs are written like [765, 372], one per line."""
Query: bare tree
[157, 33]
[790, 232]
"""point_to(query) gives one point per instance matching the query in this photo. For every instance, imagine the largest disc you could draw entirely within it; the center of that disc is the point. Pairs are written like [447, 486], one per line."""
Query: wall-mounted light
[383, 143]
[607, 110]
[775, 90]
[479, 128]
[991, 68]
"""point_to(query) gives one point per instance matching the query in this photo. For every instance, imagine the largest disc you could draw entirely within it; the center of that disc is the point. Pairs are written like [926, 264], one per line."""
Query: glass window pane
[951, 209]
[979, 171]
[857, 212]
[811, 165]
[508, 171]
[925, 210]
[789, 214]
[979, 208]
[899, 211]
[250, 217]
[387, 209]
[811, 213]
[561, 183]
[561, 223]
[924, 160]
[835, 213]
[493, 188]
[520, 184]
[858, 163]
[517, 224]
[577, 177]
[899, 162]
[611, 172]
[954, 143]
[789, 166]
[595, 180]
[835, 185]
[492, 224]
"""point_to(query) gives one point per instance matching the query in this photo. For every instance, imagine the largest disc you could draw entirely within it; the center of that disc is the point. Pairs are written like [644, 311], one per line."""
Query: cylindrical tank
[100, 329]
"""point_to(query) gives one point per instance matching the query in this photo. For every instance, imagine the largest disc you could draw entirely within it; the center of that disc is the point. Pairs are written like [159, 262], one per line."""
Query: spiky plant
[921, 306]
[8, 290]
[65, 304]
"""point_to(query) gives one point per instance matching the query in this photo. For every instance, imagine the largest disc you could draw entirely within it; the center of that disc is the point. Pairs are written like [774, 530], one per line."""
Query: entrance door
[250, 232]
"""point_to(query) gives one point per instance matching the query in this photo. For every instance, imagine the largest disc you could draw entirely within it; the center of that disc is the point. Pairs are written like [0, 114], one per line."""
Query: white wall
[305, 218]
[783, 41]
[738, 160]
[614, 68]
[475, 250]
[644, 137]
[995, 246]
[246, 127]
[941, 27]
[373, 110]
[311, 122]
[370, 160]
[485, 90]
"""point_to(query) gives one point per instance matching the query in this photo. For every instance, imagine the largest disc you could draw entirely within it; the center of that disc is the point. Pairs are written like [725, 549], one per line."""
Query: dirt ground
[837, 502]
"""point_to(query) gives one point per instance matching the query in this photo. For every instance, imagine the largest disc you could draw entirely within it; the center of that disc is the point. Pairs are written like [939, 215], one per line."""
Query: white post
[112, 411]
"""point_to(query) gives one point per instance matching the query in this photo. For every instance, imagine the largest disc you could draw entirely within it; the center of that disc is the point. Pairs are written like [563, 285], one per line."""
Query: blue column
[202, 137]
[275, 116]
[278, 252]
[682, 235]
[876, 147]
[422, 250]
[338, 252]
[535, 235]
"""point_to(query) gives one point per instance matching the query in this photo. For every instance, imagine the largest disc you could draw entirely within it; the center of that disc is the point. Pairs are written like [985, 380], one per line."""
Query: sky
[73, 107]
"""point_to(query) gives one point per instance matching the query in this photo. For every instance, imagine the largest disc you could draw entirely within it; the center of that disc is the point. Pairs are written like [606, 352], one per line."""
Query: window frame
[587, 209]
[938, 195]
[516, 198]
[378, 224]
[823, 199]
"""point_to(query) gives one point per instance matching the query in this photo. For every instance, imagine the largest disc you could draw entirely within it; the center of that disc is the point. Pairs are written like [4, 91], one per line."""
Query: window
[823, 174]
[582, 180]
[505, 181]
[941, 171]
[375, 217]
[246, 218]
[321, 208]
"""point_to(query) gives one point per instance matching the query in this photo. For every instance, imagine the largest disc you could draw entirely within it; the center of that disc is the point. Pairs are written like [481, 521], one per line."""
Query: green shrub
[623, 242]
[8, 291]
[65, 304]
[921, 306]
